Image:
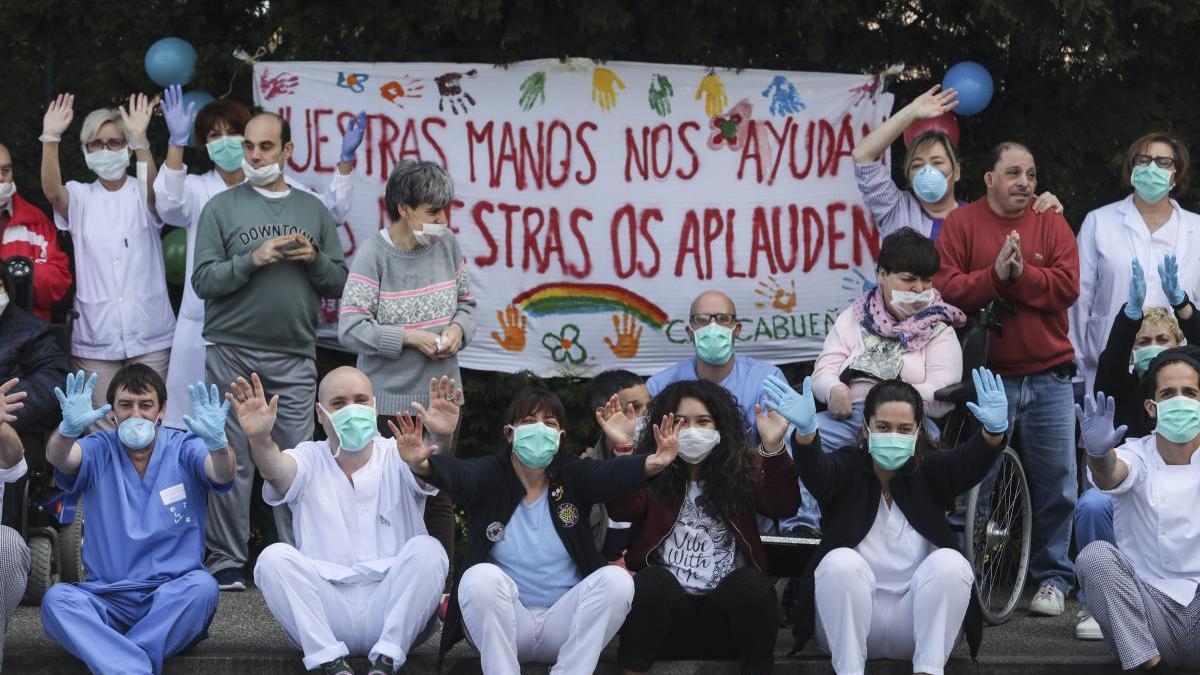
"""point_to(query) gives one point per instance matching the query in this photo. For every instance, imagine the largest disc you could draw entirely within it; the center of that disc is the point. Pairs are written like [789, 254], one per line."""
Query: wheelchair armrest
[958, 393]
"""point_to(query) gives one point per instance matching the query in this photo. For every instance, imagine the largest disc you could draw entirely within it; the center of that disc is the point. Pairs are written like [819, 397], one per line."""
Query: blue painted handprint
[785, 100]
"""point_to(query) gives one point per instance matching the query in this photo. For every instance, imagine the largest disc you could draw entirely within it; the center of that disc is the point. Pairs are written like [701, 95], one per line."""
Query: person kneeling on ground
[888, 578]
[534, 587]
[147, 595]
[701, 585]
[1142, 591]
[363, 578]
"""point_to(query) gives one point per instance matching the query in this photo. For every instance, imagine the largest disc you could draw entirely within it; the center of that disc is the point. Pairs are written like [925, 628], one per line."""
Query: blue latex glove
[353, 136]
[1137, 292]
[992, 409]
[798, 408]
[1096, 424]
[179, 120]
[1168, 274]
[76, 404]
[209, 420]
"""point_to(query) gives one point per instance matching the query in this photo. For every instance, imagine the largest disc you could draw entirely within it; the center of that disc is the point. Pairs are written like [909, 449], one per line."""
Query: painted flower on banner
[565, 346]
[355, 82]
[730, 130]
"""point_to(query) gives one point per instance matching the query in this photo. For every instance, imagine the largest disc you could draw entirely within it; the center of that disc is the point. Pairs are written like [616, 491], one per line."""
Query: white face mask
[695, 443]
[6, 193]
[108, 164]
[907, 303]
[429, 233]
[263, 175]
[3, 301]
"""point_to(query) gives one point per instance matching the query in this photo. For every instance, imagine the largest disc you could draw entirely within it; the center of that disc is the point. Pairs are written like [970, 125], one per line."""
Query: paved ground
[246, 639]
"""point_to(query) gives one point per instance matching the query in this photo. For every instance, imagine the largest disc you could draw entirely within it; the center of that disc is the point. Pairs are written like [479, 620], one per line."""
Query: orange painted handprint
[396, 91]
[629, 336]
[783, 300]
[513, 323]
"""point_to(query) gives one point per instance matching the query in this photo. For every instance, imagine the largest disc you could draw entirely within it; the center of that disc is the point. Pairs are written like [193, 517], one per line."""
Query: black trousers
[739, 620]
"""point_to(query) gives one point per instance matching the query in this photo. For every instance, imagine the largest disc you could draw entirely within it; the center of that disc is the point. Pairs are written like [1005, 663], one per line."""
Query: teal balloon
[201, 99]
[169, 61]
[174, 247]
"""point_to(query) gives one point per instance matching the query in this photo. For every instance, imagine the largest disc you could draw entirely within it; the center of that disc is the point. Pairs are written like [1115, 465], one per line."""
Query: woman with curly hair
[701, 590]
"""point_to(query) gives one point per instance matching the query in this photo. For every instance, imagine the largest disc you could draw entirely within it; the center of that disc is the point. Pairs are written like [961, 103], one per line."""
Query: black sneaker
[230, 579]
[337, 667]
[382, 665]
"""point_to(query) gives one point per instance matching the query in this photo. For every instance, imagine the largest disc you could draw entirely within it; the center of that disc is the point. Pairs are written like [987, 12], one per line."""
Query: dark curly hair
[898, 391]
[730, 472]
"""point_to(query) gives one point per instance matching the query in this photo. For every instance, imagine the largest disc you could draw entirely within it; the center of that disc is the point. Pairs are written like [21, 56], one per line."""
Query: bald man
[364, 579]
[265, 256]
[26, 231]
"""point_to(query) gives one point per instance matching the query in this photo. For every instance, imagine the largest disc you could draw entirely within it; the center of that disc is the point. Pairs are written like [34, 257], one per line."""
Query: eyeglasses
[111, 144]
[1162, 162]
[721, 318]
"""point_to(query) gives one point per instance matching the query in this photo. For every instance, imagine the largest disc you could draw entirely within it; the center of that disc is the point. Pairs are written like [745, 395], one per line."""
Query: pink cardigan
[938, 365]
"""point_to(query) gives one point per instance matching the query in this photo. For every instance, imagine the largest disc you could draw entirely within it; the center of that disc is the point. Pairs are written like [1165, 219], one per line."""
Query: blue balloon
[170, 61]
[201, 99]
[973, 84]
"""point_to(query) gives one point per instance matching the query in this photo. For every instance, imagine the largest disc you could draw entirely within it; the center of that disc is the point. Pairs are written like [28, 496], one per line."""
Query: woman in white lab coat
[1147, 225]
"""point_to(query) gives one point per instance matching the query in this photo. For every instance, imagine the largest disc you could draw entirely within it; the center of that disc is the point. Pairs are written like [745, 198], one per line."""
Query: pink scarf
[914, 332]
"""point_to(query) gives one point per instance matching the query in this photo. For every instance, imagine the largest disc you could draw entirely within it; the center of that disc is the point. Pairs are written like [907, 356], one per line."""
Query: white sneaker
[1049, 601]
[1087, 628]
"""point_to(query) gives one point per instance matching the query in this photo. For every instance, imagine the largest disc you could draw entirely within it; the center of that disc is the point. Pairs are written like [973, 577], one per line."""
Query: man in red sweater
[26, 231]
[997, 246]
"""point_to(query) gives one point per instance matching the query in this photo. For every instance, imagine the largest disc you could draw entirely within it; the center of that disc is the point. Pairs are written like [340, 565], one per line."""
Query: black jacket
[29, 351]
[489, 489]
[848, 492]
[1114, 378]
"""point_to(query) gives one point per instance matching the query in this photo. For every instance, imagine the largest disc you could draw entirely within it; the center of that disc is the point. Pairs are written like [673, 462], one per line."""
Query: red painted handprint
[283, 83]
[450, 90]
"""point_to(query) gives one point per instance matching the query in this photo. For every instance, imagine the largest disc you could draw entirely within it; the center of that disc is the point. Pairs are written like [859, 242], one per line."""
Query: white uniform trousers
[855, 621]
[570, 634]
[330, 620]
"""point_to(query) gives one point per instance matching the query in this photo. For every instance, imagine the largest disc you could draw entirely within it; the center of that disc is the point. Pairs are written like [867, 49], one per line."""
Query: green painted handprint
[533, 90]
[660, 95]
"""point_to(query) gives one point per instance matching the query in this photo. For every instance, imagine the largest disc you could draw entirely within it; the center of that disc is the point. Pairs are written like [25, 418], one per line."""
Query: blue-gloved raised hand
[1168, 274]
[76, 404]
[179, 120]
[1137, 292]
[992, 409]
[1096, 424]
[353, 137]
[209, 420]
[798, 408]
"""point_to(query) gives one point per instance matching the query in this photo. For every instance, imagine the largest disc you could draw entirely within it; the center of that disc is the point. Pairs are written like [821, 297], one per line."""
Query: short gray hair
[414, 183]
[96, 119]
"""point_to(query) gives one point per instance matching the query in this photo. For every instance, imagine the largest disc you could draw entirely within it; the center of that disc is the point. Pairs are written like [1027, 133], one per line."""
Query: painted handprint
[857, 283]
[629, 336]
[513, 323]
[603, 93]
[868, 89]
[396, 91]
[660, 95]
[775, 295]
[713, 90]
[450, 90]
[355, 82]
[283, 83]
[785, 100]
[533, 90]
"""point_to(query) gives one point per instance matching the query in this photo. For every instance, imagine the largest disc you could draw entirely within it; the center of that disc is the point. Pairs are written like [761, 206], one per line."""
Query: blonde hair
[98, 118]
[1164, 316]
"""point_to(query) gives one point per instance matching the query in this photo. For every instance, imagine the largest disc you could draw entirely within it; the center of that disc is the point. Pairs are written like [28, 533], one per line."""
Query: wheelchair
[49, 519]
[994, 519]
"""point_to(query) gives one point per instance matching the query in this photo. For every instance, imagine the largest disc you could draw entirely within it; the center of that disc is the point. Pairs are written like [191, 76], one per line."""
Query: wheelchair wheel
[70, 542]
[997, 532]
[43, 568]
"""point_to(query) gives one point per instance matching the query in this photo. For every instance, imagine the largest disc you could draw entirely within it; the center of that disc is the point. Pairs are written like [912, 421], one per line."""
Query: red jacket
[1035, 339]
[30, 233]
[778, 497]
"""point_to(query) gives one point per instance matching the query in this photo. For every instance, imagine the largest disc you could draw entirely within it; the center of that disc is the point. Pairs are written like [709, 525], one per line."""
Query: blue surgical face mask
[714, 344]
[1178, 419]
[1144, 355]
[136, 433]
[929, 184]
[535, 444]
[1151, 182]
[891, 451]
[354, 426]
[226, 152]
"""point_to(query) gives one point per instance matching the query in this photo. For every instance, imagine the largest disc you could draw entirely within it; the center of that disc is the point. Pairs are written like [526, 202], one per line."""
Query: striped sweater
[390, 291]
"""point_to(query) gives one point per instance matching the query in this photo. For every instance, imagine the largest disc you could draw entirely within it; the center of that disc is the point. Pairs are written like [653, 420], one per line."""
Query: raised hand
[1137, 292]
[798, 408]
[772, 426]
[410, 441]
[10, 403]
[137, 119]
[618, 425]
[59, 114]
[513, 323]
[713, 90]
[353, 136]
[209, 413]
[76, 404]
[254, 413]
[1168, 274]
[1096, 424]
[533, 90]
[445, 406]
[603, 93]
[666, 438]
[179, 120]
[660, 95]
[992, 409]
[933, 103]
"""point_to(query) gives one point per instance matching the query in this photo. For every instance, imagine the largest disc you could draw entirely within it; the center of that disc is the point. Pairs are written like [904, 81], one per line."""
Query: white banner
[593, 202]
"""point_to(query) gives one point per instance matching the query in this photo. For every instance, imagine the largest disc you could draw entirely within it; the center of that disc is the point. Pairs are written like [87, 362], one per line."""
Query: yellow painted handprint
[603, 93]
[714, 90]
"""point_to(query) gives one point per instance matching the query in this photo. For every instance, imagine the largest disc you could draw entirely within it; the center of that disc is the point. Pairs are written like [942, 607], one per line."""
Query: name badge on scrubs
[173, 494]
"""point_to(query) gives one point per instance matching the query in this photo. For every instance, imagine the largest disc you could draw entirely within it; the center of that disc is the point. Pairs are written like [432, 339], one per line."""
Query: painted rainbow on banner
[571, 298]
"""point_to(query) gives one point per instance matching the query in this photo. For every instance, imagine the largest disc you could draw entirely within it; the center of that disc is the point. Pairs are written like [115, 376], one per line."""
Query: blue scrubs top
[745, 382]
[142, 531]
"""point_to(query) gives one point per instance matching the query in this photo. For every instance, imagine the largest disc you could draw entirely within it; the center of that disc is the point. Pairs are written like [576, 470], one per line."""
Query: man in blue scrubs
[144, 490]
